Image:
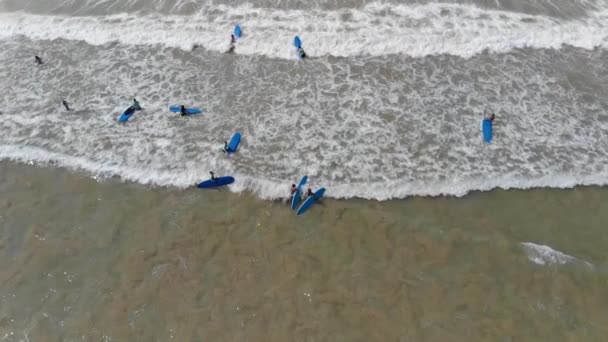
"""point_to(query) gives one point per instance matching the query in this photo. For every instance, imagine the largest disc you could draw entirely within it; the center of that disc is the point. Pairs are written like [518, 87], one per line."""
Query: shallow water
[103, 238]
[84, 260]
[389, 105]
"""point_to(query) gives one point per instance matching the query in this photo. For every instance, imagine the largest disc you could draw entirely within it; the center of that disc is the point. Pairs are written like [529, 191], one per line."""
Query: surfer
[136, 105]
[213, 178]
[38, 60]
[489, 115]
[309, 193]
[232, 43]
[225, 146]
[301, 53]
[65, 104]
[183, 111]
[293, 189]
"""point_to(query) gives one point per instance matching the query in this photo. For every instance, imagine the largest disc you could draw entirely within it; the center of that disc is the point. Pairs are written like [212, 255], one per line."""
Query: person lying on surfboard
[490, 116]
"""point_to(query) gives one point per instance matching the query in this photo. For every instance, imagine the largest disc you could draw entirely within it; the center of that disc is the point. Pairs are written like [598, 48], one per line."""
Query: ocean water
[388, 105]
[103, 238]
[83, 260]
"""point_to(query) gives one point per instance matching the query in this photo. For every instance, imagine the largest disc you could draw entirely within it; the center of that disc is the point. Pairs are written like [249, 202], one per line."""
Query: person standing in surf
[309, 193]
[136, 105]
[38, 60]
[65, 104]
[301, 53]
[232, 43]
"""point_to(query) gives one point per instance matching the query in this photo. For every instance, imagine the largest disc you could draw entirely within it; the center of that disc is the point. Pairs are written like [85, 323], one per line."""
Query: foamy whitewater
[376, 29]
[545, 255]
[388, 105]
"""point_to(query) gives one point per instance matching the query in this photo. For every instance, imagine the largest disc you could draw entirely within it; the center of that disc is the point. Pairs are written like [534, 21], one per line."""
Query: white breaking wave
[376, 29]
[272, 189]
[374, 128]
[545, 255]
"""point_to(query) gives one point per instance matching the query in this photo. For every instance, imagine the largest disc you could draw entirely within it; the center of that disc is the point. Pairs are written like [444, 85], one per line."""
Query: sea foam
[545, 255]
[374, 30]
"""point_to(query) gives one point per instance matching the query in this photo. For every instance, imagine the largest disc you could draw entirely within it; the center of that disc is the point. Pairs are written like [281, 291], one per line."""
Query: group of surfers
[300, 51]
[183, 111]
[306, 195]
[293, 187]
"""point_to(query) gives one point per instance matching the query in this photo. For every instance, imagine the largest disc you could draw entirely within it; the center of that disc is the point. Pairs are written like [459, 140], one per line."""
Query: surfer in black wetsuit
[225, 146]
[232, 43]
[293, 189]
[309, 193]
[183, 111]
[65, 104]
[213, 178]
[136, 105]
[38, 60]
[301, 53]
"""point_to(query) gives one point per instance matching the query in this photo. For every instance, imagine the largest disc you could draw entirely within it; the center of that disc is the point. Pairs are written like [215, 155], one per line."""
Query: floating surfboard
[297, 196]
[214, 183]
[127, 114]
[486, 127]
[310, 201]
[237, 31]
[190, 111]
[233, 145]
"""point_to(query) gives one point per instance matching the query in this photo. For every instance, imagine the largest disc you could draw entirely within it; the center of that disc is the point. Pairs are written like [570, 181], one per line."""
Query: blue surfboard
[297, 42]
[190, 111]
[486, 127]
[214, 183]
[237, 31]
[297, 196]
[233, 145]
[127, 114]
[310, 201]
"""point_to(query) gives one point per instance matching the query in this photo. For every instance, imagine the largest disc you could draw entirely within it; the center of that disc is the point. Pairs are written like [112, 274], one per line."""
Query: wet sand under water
[82, 260]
